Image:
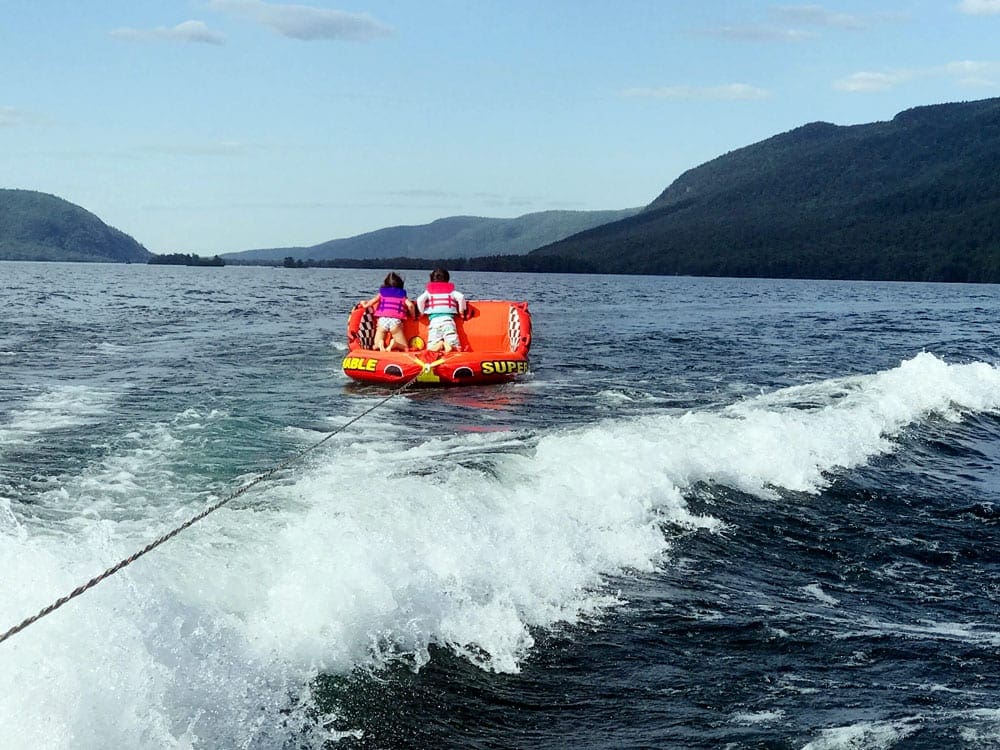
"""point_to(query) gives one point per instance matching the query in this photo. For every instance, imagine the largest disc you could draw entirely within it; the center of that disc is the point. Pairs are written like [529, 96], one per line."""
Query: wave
[386, 545]
[53, 408]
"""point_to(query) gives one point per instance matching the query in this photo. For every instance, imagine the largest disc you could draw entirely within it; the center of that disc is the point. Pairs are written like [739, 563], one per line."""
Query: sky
[212, 126]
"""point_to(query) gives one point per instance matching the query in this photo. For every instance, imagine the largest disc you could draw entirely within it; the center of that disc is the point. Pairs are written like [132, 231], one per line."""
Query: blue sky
[213, 126]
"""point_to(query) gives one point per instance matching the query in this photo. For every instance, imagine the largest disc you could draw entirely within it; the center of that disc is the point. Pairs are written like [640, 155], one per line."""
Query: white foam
[752, 718]
[987, 732]
[137, 661]
[8, 521]
[875, 735]
[109, 347]
[56, 407]
[816, 591]
[761, 443]
[474, 560]
[971, 632]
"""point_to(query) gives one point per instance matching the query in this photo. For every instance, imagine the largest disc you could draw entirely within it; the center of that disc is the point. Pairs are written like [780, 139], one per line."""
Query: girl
[391, 306]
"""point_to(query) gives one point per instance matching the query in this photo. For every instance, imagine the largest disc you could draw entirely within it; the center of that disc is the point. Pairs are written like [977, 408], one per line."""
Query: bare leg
[398, 338]
[384, 340]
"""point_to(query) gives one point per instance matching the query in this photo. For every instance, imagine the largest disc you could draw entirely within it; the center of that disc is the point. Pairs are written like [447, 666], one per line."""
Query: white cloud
[866, 82]
[978, 82]
[187, 31]
[817, 15]
[754, 33]
[790, 18]
[215, 148]
[975, 73]
[980, 7]
[729, 92]
[305, 22]
[9, 117]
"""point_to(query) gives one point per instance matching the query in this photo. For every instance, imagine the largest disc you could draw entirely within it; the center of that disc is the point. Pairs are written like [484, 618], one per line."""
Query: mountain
[915, 198]
[453, 237]
[37, 226]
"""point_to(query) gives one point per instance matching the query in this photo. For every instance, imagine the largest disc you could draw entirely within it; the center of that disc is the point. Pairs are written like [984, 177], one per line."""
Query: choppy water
[720, 514]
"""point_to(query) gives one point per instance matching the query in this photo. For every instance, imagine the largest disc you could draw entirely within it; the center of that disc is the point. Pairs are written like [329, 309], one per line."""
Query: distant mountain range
[914, 198]
[38, 226]
[453, 237]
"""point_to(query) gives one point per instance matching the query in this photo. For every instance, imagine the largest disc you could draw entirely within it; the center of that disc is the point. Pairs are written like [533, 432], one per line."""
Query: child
[441, 303]
[391, 306]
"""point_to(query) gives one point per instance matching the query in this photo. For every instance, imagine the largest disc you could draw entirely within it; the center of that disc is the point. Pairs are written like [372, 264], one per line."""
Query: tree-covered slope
[915, 198]
[453, 237]
[37, 226]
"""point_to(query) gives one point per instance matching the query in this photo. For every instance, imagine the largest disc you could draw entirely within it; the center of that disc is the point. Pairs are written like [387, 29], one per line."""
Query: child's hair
[394, 280]
[439, 274]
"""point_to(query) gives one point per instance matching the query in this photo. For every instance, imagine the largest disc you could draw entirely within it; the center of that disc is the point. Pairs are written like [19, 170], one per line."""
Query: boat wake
[386, 545]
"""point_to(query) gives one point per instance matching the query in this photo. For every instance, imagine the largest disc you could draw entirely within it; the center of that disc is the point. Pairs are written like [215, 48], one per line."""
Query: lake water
[718, 514]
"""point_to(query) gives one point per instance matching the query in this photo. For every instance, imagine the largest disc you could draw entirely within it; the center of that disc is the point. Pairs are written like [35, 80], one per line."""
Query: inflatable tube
[495, 339]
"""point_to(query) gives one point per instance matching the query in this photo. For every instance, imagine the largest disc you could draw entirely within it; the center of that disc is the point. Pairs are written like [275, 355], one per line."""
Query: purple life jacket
[391, 303]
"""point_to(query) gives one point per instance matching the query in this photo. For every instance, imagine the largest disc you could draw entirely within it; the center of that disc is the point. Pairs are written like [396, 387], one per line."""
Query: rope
[194, 519]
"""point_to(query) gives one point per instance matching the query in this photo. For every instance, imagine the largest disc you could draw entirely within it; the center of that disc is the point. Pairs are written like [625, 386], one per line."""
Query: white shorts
[442, 329]
[388, 324]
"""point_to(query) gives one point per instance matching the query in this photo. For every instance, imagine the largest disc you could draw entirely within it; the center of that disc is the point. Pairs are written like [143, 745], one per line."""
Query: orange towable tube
[495, 337]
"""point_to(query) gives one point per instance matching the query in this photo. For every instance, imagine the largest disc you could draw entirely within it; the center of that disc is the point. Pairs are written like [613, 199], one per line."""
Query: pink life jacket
[391, 303]
[440, 300]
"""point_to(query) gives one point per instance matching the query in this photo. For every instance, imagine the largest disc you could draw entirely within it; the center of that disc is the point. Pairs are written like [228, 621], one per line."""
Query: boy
[441, 303]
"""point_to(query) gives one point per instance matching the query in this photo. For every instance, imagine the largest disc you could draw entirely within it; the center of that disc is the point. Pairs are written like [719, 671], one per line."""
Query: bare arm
[422, 302]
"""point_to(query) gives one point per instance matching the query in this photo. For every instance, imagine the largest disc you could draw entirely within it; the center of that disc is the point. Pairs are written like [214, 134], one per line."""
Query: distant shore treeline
[182, 259]
[509, 263]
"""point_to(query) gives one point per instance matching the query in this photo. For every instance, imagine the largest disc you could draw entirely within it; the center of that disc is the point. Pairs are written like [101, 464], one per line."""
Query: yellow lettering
[360, 363]
[504, 367]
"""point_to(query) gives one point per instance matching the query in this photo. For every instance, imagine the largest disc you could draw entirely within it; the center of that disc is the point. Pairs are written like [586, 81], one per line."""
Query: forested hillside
[37, 226]
[453, 237]
[915, 198]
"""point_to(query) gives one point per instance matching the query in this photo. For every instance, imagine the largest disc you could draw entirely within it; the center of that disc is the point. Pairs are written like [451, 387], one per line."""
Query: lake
[719, 513]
